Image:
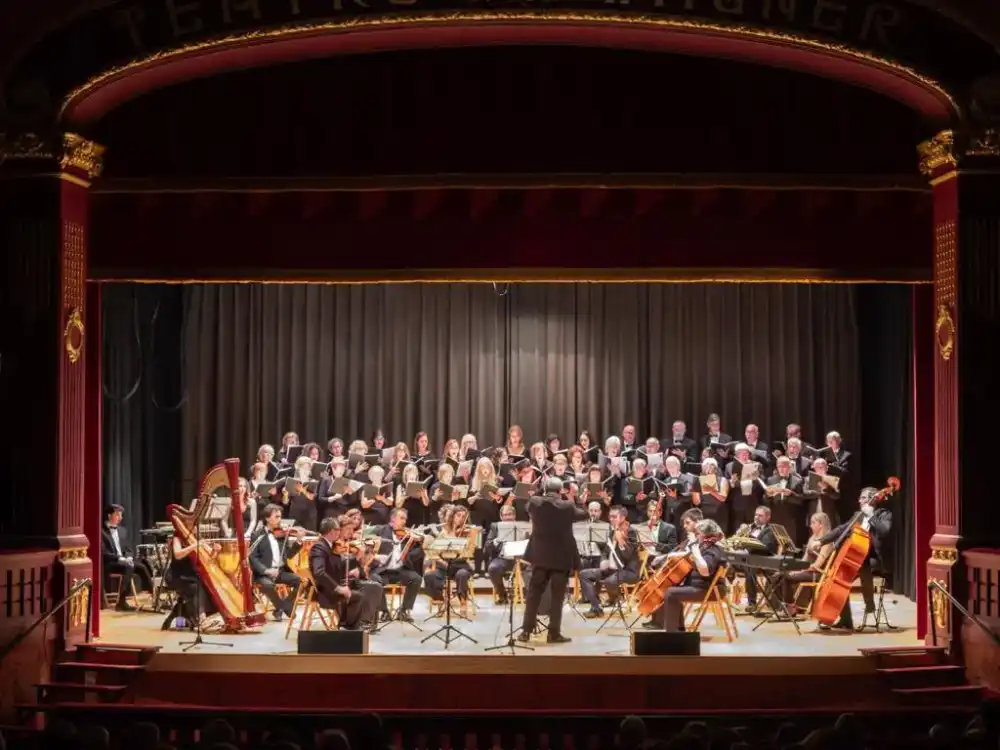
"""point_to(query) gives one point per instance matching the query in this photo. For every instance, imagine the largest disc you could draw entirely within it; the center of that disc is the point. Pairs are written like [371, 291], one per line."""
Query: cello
[834, 590]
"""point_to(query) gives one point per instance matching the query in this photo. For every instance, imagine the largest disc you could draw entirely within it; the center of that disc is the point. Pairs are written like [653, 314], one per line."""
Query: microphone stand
[511, 643]
[198, 640]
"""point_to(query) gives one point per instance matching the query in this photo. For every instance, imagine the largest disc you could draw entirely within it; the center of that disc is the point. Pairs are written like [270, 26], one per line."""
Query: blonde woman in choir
[515, 441]
[265, 454]
[445, 475]
[712, 503]
[616, 466]
[469, 443]
[377, 509]
[416, 509]
[400, 453]
[484, 504]
[451, 450]
[358, 448]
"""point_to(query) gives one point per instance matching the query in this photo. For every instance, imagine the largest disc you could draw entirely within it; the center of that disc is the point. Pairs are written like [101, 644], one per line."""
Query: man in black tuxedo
[116, 557]
[355, 607]
[553, 554]
[269, 562]
[679, 444]
[784, 496]
[877, 518]
[760, 530]
[714, 437]
[391, 567]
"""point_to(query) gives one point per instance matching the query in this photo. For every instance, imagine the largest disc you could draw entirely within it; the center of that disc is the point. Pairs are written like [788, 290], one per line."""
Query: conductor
[552, 554]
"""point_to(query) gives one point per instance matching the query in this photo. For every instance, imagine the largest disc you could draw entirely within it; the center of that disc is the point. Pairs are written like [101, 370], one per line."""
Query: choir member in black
[288, 440]
[817, 555]
[662, 533]
[300, 499]
[838, 460]
[193, 601]
[455, 526]
[269, 562]
[715, 435]
[248, 508]
[484, 503]
[331, 503]
[679, 444]
[633, 491]
[674, 488]
[375, 508]
[760, 530]
[784, 496]
[821, 497]
[620, 566]
[758, 448]
[597, 489]
[378, 441]
[744, 495]
[840, 456]
[800, 463]
[335, 449]
[312, 451]
[515, 442]
[539, 457]
[258, 476]
[421, 445]
[497, 566]
[328, 568]
[877, 519]
[116, 557]
[400, 560]
[706, 557]
[552, 554]
[577, 463]
[552, 445]
[438, 494]
[586, 442]
[265, 454]
[711, 501]
[417, 508]
[628, 441]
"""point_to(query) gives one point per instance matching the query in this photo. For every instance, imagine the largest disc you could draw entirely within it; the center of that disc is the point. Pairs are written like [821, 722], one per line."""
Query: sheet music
[514, 550]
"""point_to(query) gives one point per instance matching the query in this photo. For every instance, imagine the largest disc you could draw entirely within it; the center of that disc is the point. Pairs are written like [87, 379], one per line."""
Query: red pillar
[964, 170]
[923, 441]
[93, 501]
[44, 192]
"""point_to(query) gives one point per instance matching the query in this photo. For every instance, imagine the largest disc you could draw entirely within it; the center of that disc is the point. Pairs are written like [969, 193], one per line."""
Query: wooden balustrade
[982, 655]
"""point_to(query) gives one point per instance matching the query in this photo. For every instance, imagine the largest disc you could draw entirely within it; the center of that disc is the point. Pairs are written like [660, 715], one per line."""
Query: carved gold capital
[944, 554]
[68, 152]
[944, 332]
[82, 155]
[68, 554]
[937, 153]
[939, 605]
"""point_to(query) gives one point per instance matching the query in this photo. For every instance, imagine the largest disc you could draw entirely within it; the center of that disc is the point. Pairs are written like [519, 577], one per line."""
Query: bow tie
[113, 528]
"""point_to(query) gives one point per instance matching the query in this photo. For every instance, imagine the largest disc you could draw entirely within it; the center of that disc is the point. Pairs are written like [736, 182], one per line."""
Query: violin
[621, 534]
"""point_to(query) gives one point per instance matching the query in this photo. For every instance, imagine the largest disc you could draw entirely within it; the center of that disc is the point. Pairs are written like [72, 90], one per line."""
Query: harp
[226, 573]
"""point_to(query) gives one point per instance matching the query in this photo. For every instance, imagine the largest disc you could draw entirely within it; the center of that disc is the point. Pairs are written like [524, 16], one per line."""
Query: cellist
[706, 557]
[877, 520]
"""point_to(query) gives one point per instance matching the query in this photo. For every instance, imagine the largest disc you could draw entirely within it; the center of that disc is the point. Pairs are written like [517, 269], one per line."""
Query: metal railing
[84, 583]
[931, 586]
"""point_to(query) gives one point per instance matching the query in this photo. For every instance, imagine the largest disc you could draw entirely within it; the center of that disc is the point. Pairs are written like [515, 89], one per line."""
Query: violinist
[877, 519]
[817, 554]
[620, 566]
[497, 566]
[706, 557]
[399, 560]
[269, 561]
[328, 568]
[454, 527]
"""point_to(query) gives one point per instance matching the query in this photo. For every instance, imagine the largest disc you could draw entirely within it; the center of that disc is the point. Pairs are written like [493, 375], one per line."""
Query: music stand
[219, 509]
[448, 550]
[513, 549]
[589, 538]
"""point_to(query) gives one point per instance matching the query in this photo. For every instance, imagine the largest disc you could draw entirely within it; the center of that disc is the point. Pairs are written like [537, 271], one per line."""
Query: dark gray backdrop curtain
[253, 361]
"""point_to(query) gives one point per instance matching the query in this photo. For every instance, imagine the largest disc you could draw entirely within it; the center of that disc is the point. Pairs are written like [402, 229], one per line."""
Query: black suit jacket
[328, 572]
[629, 555]
[109, 555]
[766, 537]
[880, 528]
[414, 558]
[551, 544]
[689, 446]
[666, 537]
[261, 559]
[794, 483]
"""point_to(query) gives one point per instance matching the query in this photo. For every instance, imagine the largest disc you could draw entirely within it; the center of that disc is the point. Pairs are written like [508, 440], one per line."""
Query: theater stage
[770, 668]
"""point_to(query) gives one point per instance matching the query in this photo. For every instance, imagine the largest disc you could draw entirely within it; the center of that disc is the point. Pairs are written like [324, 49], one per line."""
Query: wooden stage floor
[764, 669]
[489, 627]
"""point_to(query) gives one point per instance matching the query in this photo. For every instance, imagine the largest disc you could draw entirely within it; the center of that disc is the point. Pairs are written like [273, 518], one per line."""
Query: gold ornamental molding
[945, 152]
[73, 336]
[944, 332]
[450, 18]
[69, 152]
[939, 605]
[78, 608]
[69, 554]
[944, 554]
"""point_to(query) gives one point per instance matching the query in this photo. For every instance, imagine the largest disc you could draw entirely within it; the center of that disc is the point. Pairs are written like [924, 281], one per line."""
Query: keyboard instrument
[777, 563]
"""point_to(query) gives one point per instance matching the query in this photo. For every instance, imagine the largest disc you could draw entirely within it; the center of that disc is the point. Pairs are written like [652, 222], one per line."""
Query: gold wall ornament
[80, 154]
[78, 606]
[944, 554]
[937, 153]
[944, 331]
[939, 606]
[73, 335]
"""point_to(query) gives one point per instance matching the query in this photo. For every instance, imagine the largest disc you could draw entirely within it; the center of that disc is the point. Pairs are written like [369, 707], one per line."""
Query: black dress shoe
[651, 625]
[125, 607]
[558, 638]
[523, 637]
[592, 614]
[404, 615]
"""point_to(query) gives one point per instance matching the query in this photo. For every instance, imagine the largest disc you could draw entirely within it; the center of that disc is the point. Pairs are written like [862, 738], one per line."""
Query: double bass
[834, 590]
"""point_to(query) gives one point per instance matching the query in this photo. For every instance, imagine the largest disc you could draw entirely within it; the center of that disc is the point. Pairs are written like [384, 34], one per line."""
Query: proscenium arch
[87, 104]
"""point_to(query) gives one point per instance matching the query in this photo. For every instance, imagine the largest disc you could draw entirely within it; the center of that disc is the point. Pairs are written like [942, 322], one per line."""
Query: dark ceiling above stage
[502, 110]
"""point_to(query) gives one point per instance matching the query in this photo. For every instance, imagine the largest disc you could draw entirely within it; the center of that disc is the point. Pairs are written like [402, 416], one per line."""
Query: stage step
[935, 675]
[942, 696]
[95, 673]
[50, 693]
[903, 659]
[915, 648]
[114, 653]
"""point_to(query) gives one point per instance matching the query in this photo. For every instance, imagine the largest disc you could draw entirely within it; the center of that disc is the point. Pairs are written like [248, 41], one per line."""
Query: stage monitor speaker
[660, 643]
[333, 642]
